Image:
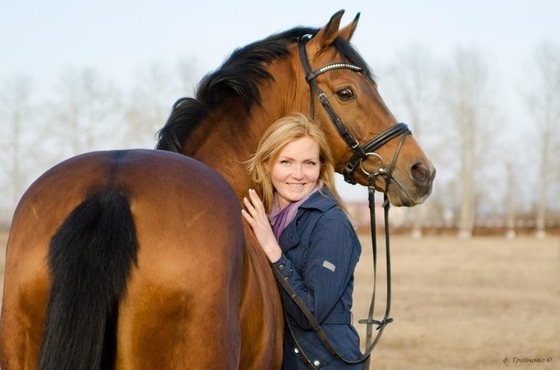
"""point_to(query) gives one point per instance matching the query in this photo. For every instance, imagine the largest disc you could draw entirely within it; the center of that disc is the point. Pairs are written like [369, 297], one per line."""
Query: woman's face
[296, 170]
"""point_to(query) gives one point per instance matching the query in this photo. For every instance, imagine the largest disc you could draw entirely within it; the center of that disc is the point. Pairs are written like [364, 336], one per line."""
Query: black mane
[239, 76]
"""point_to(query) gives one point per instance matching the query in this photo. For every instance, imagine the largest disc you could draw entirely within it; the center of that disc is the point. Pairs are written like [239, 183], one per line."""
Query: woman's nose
[297, 172]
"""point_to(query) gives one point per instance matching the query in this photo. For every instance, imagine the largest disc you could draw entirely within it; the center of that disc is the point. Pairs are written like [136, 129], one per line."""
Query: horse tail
[90, 258]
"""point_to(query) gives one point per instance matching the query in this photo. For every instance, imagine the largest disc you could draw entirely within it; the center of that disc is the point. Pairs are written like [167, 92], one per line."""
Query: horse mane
[238, 77]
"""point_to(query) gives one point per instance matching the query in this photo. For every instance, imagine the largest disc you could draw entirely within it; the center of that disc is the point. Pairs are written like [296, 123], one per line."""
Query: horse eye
[345, 94]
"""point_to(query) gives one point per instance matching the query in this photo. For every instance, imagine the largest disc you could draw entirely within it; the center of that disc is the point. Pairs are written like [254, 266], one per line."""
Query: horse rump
[90, 258]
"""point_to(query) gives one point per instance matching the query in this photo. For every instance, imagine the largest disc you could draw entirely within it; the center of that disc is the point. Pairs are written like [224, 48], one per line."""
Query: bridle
[360, 152]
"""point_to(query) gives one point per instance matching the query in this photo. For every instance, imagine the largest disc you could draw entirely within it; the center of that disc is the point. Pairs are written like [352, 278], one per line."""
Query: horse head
[309, 70]
[364, 135]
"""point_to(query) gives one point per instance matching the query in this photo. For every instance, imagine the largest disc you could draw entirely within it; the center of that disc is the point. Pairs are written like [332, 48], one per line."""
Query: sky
[41, 39]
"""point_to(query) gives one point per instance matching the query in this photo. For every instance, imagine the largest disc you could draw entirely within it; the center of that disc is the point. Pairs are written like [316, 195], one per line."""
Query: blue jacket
[320, 252]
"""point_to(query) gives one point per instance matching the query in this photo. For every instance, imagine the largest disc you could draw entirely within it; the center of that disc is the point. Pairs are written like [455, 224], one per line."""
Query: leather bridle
[360, 152]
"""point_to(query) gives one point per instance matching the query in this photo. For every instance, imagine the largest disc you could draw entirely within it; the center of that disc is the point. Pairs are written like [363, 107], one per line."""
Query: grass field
[469, 304]
[483, 303]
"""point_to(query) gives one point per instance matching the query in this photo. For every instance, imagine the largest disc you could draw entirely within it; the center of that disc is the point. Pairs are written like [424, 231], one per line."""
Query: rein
[360, 152]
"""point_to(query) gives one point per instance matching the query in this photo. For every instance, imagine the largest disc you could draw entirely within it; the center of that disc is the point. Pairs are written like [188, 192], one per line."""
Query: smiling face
[295, 172]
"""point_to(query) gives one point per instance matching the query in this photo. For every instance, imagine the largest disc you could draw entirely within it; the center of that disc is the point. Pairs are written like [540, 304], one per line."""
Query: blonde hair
[276, 137]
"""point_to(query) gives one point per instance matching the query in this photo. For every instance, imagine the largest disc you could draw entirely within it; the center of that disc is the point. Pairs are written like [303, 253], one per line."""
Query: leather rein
[360, 153]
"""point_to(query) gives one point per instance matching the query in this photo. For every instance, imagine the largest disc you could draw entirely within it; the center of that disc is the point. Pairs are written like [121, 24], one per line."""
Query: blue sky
[42, 39]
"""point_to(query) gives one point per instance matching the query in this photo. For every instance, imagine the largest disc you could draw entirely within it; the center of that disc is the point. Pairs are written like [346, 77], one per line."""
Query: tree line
[493, 162]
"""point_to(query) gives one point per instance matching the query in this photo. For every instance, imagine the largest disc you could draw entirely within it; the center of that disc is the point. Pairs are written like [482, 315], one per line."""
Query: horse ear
[326, 36]
[347, 32]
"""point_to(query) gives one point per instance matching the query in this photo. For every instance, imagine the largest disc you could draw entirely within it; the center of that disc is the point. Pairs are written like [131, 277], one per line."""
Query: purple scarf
[280, 218]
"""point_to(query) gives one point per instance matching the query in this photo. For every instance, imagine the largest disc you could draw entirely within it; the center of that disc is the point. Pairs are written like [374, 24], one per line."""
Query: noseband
[360, 152]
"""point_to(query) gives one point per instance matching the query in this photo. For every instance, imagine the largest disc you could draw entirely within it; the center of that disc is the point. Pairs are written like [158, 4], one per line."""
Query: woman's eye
[311, 164]
[345, 94]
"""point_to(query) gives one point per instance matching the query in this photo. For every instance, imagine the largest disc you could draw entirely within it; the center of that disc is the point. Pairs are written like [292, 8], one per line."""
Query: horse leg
[23, 306]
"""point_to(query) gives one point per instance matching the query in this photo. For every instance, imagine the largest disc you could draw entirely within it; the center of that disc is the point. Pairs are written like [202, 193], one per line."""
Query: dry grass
[468, 304]
[464, 304]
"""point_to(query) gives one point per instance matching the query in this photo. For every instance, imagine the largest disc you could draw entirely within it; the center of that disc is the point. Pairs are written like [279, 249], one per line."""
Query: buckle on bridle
[381, 169]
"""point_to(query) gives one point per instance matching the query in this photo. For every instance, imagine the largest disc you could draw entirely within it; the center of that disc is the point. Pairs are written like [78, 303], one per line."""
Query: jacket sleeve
[333, 253]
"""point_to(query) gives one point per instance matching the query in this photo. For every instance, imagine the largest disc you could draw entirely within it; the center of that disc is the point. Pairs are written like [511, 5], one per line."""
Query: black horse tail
[90, 258]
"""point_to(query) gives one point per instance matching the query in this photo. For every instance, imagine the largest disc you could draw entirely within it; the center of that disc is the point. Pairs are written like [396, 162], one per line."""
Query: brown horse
[139, 259]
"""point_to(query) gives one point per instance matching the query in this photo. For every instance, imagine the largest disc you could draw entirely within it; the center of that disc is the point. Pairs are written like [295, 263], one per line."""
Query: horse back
[185, 266]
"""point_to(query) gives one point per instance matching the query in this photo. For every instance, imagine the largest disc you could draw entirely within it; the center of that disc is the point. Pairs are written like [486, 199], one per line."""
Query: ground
[483, 303]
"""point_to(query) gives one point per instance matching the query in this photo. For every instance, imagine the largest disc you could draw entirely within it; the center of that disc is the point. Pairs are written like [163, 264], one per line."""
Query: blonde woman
[300, 223]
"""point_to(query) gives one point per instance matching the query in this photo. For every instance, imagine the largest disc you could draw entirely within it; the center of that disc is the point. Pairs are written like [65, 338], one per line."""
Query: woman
[308, 239]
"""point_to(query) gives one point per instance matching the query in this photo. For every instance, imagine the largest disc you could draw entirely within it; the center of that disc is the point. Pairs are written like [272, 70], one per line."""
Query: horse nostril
[421, 174]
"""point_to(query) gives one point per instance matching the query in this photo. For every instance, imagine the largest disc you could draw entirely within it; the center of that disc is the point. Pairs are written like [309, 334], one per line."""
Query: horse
[130, 259]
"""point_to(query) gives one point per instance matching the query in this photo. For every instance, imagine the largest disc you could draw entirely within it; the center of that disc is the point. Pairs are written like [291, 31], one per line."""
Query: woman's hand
[258, 220]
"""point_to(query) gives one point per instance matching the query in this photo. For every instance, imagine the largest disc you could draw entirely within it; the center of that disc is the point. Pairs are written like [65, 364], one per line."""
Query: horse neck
[225, 140]
[228, 136]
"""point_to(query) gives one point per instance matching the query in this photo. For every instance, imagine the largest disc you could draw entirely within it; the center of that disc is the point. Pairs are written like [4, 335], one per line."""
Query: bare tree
[157, 88]
[16, 115]
[151, 100]
[466, 88]
[544, 106]
[510, 201]
[188, 76]
[413, 80]
[85, 113]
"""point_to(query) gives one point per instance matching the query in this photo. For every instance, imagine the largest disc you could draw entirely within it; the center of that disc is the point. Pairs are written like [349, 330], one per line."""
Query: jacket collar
[321, 200]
